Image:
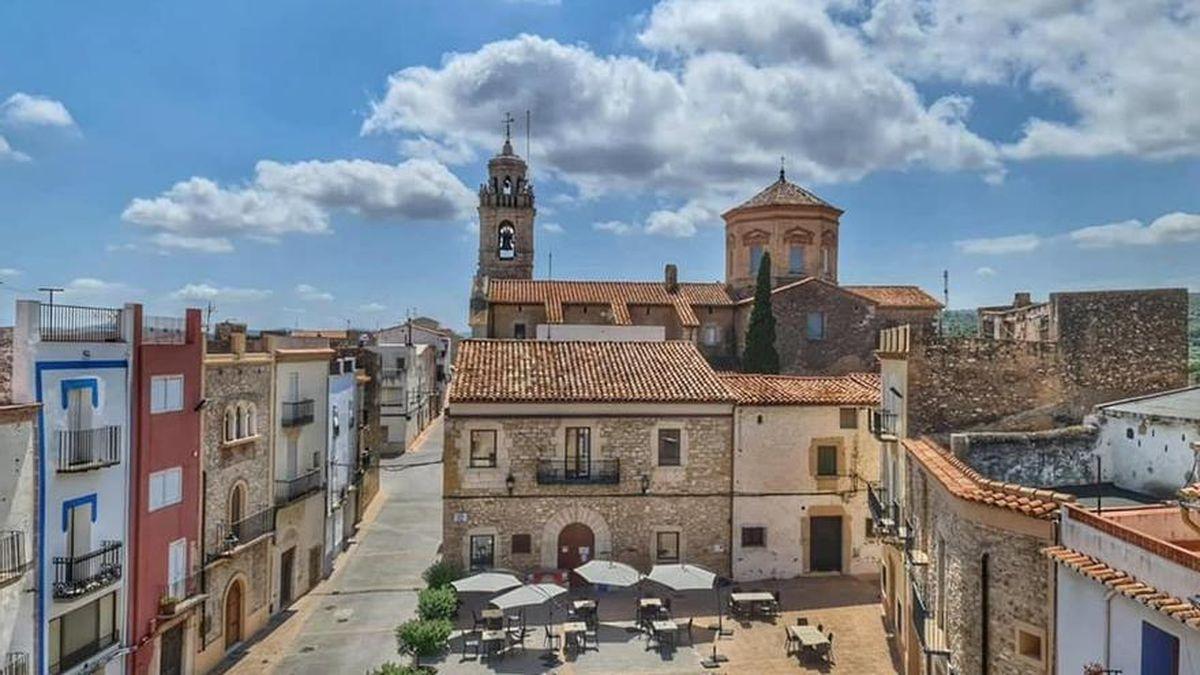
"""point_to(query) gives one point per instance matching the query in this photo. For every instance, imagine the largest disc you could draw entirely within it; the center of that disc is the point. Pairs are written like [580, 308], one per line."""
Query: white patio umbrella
[528, 595]
[486, 582]
[608, 573]
[684, 577]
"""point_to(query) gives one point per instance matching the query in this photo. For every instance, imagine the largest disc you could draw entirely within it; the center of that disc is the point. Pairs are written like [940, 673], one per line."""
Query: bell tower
[506, 214]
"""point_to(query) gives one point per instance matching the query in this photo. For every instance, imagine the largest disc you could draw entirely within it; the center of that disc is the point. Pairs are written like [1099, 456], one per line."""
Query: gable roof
[805, 282]
[965, 483]
[537, 371]
[856, 389]
[782, 193]
[1126, 584]
[908, 297]
[618, 295]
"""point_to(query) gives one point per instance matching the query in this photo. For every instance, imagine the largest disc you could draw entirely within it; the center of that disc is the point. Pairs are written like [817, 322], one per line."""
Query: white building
[341, 461]
[803, 455]
[76, 362]
[425, 331]
[1148, 443]
[18, 486]
[1127, 585]
[409, 393]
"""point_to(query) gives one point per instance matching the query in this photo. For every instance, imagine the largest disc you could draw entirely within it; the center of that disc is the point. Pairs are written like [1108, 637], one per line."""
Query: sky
[314, 164]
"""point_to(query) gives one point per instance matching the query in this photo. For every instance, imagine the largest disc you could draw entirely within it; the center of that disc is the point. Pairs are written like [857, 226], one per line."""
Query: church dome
[782, 193]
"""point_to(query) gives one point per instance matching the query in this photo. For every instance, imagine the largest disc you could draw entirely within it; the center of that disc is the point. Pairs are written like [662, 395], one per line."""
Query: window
[518, 331]
[754, 537]
[1160, 651]
[941, 583]
[399, 363]
[668, 447]
[869, 529]
[848, 418]
[505, 238]
[756, 252]
[483, 551]
[522, 543]
[826, 262]
[578, 457]
[815, 326]
[82, 633]
[827, 460]
[177, 569]
[1129, 433]
[248, 422]
[666, 547]
[166, 393]
[166, 488]
[483, 448]
[1029, 644]
[239, 427]
[230, 431]
[795, 259]
[712, 334]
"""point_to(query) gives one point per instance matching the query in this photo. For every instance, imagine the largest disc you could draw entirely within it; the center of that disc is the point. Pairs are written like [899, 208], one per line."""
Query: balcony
[176, 597]
[88, 449]
[78, 575]
[13, 561]
[83, 653]
[885, 425]
[164, 330]
[881, 511]
[244, 531]
[69, 323]
[598, 472]
[297, 413]
[15, 663]
[391, 375]
[289, 490]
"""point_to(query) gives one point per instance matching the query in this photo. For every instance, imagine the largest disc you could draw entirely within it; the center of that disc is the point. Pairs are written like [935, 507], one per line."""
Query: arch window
[229, 426]
[756, 254]
[248, 421]
[237, 503]
[239, 423]
[508, 186]
[795, 259]
[506, 237]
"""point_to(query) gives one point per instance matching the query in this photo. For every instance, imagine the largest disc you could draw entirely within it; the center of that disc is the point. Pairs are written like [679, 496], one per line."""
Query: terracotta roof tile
[1125, 584]
[966, 483]
[909, 297]
[858, 389]
[1190, 493]
[533, 371]
[782, 192]
[617, 294]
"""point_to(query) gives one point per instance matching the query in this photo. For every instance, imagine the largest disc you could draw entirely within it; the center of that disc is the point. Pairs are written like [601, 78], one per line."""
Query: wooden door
[314, 566]
[287, 564]
[170, 662]
[233, 615]
[576, 545]
[826, 544]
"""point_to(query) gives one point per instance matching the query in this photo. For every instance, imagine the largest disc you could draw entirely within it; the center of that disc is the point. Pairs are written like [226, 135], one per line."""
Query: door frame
[236, 586]
[812, 542]
[287, 577]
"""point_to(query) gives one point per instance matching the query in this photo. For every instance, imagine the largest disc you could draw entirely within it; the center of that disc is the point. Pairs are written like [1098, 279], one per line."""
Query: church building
[822, 327]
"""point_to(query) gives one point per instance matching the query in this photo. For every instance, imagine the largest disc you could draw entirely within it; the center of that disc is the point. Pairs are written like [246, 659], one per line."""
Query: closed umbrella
[486, 582]
[608, 573]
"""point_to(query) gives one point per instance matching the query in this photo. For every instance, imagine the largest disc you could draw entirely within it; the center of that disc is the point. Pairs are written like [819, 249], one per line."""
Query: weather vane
[508, 120]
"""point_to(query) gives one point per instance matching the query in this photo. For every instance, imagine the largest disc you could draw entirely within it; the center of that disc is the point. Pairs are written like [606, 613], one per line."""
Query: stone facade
[623, 513]
[1056, 457]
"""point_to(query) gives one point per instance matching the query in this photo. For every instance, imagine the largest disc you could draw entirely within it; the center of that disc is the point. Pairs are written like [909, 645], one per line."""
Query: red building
[165, 507]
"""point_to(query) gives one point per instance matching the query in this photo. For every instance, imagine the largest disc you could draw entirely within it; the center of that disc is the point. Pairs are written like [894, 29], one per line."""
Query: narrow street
[345, 624]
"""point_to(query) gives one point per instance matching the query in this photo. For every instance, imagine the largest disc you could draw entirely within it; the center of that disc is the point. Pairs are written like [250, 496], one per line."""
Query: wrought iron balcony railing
[297, 413]
[84, 652]
[885, 424]
[232, 535]
[13, 559]
[87, 449]
[77, 575]
[881, 514]
[70, 323]
[171, 594]
[596, 472]
[15, 663]
[289, 490]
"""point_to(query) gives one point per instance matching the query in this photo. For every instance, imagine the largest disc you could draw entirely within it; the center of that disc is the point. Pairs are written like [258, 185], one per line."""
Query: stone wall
[6, 337]
[1056, 457]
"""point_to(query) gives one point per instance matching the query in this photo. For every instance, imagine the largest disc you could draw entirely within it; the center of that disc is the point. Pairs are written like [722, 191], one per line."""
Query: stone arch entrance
[233, 614]
[576, 545]
[575, 515]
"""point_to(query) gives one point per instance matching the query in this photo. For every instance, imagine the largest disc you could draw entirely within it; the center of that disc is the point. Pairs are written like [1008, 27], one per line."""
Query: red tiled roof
[909, 297]
[1191, 492]
[1124, 583]
[965, 483]
[856, 389]
[782, 192]
[536, 371]
[618, 295]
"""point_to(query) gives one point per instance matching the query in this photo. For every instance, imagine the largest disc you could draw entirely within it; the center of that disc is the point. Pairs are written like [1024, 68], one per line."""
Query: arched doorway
[576, 545]
[233, 615]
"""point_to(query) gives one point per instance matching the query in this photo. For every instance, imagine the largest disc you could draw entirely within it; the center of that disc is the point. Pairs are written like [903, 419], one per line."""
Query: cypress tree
[760, 355]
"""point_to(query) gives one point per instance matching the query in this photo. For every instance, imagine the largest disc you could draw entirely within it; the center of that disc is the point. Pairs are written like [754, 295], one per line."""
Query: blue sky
[314, 163]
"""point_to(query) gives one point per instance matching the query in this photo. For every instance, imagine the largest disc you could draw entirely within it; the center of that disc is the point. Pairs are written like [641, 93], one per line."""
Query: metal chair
[477, 621]
[471, 644]
[686, 628]
[591, 633]
[829, 652]
[553, 640]
[516, 637]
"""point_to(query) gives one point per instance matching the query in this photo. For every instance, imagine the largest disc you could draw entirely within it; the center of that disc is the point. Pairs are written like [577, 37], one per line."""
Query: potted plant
[166, 604]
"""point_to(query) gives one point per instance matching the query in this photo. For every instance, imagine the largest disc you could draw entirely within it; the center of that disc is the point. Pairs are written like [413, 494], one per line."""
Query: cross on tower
[782, 162]
[508, 120]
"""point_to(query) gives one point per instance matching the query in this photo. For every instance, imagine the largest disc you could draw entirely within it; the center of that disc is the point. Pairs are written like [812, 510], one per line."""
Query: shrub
[423, 638]
[390, 668]
[440, 574]
[437, 603]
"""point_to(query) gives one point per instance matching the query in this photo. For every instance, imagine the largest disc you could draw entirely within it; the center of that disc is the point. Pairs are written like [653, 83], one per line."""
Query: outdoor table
[492, 639]
[493, 618]
[665, 630]
[752, 599]
[571, 632]
[808, 636]
[584, 605]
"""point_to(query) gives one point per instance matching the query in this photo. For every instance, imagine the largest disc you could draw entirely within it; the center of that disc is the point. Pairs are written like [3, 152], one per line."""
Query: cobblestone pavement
[345, 624]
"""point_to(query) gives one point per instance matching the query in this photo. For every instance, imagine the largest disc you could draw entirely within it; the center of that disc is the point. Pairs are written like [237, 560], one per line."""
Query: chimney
[237, 343]
[671, 278]
[1022, 299]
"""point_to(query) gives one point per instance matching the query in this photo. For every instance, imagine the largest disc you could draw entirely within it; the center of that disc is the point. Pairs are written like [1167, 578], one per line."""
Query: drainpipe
[1108, 627]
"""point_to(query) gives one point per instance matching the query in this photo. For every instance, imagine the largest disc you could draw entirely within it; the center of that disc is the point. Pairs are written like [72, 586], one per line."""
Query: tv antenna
[51, 290]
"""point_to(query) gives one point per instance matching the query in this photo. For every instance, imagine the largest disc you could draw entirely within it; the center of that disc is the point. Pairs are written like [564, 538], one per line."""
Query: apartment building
[803, 457]
[237, 447]
[76, 362]
[18, 485]
[342, 458]
[165, 538]
[409, 395]
[425, 331]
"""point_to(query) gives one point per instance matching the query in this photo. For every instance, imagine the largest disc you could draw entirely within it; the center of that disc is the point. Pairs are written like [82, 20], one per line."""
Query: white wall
[341, 455]
[18, 487]
[311, 438]
[1158, 459]
[600, 332]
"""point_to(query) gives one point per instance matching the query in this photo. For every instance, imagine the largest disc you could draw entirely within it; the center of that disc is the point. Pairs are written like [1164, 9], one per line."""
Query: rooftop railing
[289, 490]
[596, 472]
[72, 323]
[15, 663]
[164, 330]
[13, 559]
[77, 575]
[232, 535]
[87, 449]
[297, 413]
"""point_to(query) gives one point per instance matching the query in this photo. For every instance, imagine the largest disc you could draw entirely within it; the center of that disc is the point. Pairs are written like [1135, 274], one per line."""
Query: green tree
[423, 638]
[437, 603]
[760, 355]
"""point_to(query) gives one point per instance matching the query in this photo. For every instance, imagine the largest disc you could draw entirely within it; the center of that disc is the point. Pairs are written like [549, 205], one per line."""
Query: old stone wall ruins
[1064, 456]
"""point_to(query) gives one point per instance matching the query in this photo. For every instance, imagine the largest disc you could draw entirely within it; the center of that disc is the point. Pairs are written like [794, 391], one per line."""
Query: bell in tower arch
[505, 236]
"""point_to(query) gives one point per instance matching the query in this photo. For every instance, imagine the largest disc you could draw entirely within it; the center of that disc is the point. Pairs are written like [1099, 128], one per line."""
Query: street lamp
[510, 482]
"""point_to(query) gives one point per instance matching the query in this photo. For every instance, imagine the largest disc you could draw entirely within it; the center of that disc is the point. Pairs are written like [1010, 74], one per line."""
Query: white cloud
[206, 291]
[614, 226]
[985, 272]
[8, 153]
[372, 307]
[682, 222]
[23, 109]
[1172, 228]
[1015, 243]
[9, 272]
[199, 214]
[552, 228]
[97, 291]
[313, 294]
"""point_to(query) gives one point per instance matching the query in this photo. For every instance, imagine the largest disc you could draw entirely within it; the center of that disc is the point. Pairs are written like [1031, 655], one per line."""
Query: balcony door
[79, 537]
[578, 460]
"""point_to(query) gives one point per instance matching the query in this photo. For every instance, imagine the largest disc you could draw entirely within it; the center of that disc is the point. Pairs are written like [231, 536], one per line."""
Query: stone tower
[798, 229]
[506, 215]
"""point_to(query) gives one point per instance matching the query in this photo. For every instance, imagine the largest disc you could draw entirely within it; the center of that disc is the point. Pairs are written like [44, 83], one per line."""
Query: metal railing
[76, 575]
[71, 323]
[13, 561]
[174, 592]
[85, 449]
[596, 472]
[164, 330]
[879, 513]
[884, 423]
[296, 413]
[15, 663]
[232, 535]
[71, 659]
[289, 490]
[391, 373]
